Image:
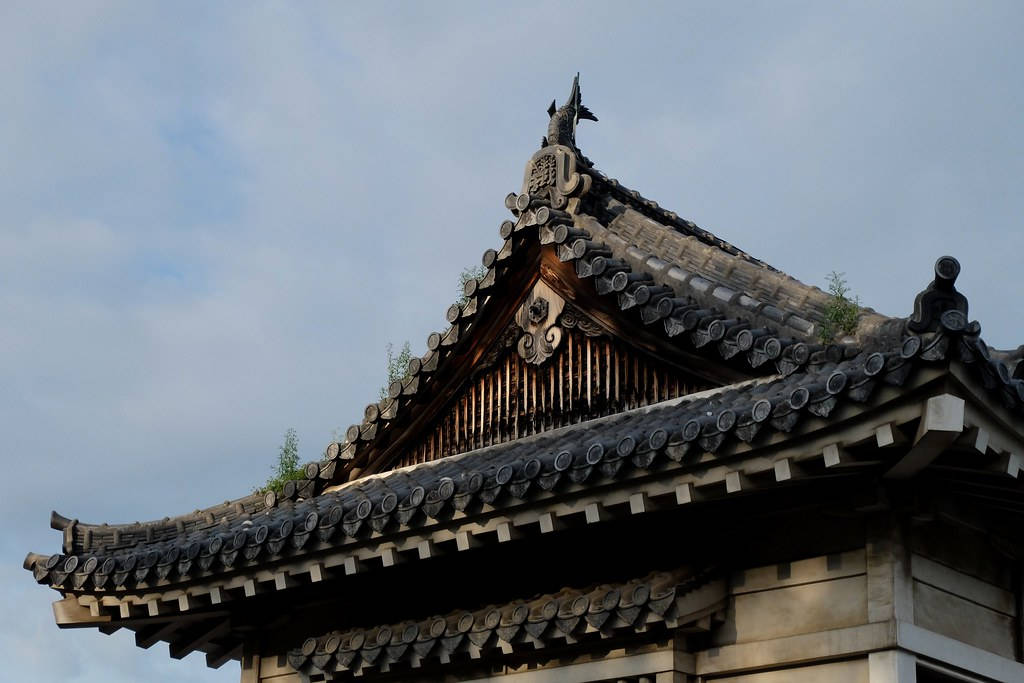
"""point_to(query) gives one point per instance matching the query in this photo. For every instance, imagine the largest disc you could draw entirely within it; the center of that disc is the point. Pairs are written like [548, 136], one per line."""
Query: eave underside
[972, 478]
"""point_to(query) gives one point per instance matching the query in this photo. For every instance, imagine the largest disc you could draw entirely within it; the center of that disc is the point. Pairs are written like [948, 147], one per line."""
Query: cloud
[215, 217]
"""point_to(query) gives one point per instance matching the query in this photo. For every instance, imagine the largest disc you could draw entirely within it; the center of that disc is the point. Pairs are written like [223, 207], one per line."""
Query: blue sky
[215, 216]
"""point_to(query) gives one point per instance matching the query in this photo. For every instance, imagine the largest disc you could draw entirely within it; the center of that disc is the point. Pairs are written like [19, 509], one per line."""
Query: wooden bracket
[942, 421]
[70, 614]
[198, 638]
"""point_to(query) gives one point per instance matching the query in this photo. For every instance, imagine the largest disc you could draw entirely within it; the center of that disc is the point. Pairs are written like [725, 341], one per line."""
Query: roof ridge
[652, 209]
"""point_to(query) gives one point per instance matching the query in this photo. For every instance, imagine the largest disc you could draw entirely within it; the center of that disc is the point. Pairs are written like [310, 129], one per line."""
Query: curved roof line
[693, 308]
[181, 550]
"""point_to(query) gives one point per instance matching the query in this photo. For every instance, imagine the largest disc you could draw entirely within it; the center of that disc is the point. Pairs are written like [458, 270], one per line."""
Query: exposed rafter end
[283, 581]
[687, 493]
[69, 613]
[1009, 463]
[426, 549]
[942, 422]
[507, 532]
[736, 482]
[222, 655]
[835, 455]
[465, 540]
[595, 512]
[149, 636]
[888, 435]
[976, 438]
[785, 470]
[639, 503]
[352, 565]
[198, 637]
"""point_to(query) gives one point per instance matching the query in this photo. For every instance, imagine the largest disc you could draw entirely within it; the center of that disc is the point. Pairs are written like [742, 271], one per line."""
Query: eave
[854, 440]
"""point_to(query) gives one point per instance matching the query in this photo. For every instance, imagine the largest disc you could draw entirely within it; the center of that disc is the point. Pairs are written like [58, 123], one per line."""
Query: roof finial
[940, 302]
[562, 128]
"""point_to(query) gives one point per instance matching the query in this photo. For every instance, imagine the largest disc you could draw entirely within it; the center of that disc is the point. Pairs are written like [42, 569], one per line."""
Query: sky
[215, 216]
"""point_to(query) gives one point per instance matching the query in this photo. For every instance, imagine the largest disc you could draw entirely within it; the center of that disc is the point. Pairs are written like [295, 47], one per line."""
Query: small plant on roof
[287, 467]
[398, 364]
[467, 274]
[841, 311]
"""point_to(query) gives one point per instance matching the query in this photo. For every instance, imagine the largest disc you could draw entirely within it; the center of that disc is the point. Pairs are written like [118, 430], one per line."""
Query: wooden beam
[389, 556]
[889, 434]
[627, 667]
[1009, 463]
[942, 421]
[507, 531]
[464, 540]
[834, 455]
[737, 481]
[784, 469]
[149, 636]
[426, 549]
[958, 654]
[685, 493]
[976, 438]
[283, 580]
[594, 513]
[792, 650]
[198, 637]
[223, 654]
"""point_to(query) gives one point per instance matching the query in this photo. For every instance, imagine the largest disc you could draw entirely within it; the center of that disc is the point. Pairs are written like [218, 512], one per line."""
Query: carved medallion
[542, 173]
[574, 318]
[551, 173]
[508, 339]
[538, 319]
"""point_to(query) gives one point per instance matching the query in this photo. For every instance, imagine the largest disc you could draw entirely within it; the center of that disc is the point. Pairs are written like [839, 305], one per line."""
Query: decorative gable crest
[544, 318]
[551, 175]
[538, 318]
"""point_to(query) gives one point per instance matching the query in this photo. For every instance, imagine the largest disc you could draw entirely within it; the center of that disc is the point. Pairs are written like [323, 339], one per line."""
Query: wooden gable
[569, 324]
[548, 353]
[580, 373]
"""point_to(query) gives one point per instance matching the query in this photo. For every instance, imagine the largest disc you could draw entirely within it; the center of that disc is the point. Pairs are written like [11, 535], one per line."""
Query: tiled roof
[655, 272]
[654, 439]
[695, 311]
[572, 615]
[664, 274]
[686, 292]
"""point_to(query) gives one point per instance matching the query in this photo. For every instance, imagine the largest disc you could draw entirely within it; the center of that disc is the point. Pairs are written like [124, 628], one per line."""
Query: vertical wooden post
[1018, 593]
[892, 666]
[250, 664]
[890, 583]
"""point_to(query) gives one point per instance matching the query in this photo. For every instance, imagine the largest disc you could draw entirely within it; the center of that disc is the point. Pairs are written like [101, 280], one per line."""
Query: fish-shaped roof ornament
[562, 128]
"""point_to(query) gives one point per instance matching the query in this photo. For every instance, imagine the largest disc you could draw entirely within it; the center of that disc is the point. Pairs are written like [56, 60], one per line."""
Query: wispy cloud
[215, 216]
